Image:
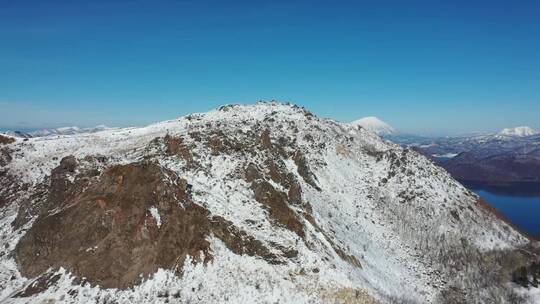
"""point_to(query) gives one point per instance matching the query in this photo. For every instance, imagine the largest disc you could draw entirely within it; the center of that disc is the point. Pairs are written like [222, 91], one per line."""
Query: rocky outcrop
[5, 140]
[5, 152]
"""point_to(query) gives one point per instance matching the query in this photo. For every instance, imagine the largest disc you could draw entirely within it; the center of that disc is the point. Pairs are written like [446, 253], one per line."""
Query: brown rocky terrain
[100, 227]
[4, 140]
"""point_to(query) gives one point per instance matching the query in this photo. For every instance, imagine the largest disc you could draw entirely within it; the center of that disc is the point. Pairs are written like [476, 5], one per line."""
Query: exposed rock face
[54, 192]
[176, 146]
[249, 204]
[4, 140]
[5, 152]
[8, 187]
[106, 233]
[278, 207]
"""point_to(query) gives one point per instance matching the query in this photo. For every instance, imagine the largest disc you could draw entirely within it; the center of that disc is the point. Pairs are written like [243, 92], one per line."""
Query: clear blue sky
[422, 66]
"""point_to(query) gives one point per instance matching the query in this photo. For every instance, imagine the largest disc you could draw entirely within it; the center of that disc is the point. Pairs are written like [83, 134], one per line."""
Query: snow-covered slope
[374, 125]
[259, 203]
[518, 131]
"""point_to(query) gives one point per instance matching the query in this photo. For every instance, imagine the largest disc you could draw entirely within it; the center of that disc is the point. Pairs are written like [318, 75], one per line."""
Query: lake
[521, 210]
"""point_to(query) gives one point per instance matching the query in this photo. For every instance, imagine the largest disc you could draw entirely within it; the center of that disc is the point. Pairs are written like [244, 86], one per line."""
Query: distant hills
[56, 131]
[503, 159]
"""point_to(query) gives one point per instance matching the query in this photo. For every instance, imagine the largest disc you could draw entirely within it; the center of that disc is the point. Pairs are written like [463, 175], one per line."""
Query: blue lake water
[522, 211]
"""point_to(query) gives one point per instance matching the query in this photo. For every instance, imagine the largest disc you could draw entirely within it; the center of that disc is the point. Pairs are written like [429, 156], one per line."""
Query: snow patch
[155, 214]
[446, 155]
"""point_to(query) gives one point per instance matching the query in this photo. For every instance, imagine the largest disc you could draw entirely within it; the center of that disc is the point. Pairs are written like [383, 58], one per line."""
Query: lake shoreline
[519, 189]
[522, 211]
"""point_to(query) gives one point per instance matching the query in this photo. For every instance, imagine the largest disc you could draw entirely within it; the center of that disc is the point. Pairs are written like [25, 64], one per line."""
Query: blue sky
[430, 67]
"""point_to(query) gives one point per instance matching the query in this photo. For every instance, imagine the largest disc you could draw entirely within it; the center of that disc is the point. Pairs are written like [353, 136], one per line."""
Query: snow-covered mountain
[259, 203]
[374, 125]
[518, 131]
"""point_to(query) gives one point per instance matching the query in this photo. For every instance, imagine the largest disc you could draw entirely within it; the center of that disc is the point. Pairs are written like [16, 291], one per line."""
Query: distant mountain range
[482, 145]
[57, 131]
[503, 159]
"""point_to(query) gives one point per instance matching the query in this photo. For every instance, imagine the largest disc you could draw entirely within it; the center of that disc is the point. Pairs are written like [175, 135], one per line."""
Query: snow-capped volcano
[374, 125]
[259, 203]
[518, 131]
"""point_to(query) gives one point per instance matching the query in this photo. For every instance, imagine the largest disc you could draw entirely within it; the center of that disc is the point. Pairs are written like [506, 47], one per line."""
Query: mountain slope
[244, 204]
[374, 125]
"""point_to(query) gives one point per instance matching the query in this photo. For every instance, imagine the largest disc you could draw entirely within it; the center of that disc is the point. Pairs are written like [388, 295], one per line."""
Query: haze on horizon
[421, 66]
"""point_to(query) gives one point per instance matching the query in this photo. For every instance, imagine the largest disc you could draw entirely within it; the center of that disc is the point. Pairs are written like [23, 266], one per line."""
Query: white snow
[518, 131]
[531, 294]
[446, 155]
[155, 214]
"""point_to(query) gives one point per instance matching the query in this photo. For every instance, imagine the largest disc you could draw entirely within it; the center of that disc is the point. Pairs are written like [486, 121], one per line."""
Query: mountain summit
[374, 125]
[518, 131]
[244, 204]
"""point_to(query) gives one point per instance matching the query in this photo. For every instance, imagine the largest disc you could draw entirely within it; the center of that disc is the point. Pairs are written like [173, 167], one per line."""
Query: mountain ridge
[284, 206]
